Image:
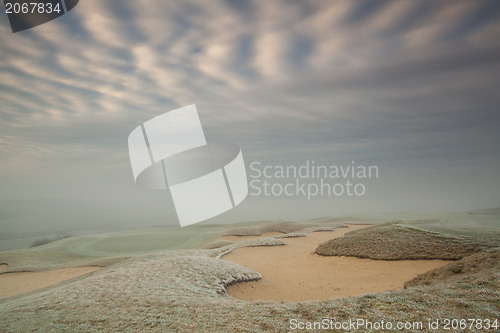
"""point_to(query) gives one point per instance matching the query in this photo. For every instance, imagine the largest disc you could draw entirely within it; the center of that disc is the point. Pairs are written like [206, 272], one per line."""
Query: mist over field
[410, 87]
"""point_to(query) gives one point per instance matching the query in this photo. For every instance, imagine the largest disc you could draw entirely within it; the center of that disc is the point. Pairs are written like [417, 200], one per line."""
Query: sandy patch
[293, 272]
[21, 282]
[3, 266]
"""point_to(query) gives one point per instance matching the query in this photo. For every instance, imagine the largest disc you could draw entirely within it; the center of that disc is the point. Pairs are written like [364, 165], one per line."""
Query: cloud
[394, 82]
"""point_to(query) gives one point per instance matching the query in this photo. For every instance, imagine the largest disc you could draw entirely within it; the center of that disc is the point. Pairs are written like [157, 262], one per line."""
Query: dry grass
[471, 269]
[399, 242]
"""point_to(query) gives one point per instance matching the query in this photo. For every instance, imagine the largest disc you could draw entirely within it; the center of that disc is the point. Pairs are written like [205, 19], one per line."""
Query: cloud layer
[402, 84]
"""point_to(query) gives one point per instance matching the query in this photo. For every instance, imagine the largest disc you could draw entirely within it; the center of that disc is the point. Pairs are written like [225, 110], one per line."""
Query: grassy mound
[482, 268]
[291, 235]
[398, 242]
[267, 241]
[283, 227]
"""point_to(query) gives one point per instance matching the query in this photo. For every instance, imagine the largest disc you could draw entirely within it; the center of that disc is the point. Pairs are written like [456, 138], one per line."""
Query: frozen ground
[184, 291]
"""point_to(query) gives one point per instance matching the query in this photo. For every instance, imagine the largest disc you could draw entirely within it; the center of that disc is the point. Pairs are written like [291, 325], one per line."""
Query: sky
[411, 87]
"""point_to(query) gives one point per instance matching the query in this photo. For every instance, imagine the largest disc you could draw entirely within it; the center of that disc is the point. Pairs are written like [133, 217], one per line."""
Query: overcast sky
[409, 86]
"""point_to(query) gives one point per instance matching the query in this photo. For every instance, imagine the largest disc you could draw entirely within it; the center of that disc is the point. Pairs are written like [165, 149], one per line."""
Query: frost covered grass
[399, 242]
[283, 227]
[470, 269]
[185, 291]
[291, 235]
[286, 227]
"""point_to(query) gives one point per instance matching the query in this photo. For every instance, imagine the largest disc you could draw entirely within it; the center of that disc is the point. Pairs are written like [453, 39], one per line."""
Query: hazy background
[409, 86]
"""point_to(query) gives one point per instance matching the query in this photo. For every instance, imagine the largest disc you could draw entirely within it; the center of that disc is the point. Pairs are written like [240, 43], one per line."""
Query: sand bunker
[21, 282]
[294, 273]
